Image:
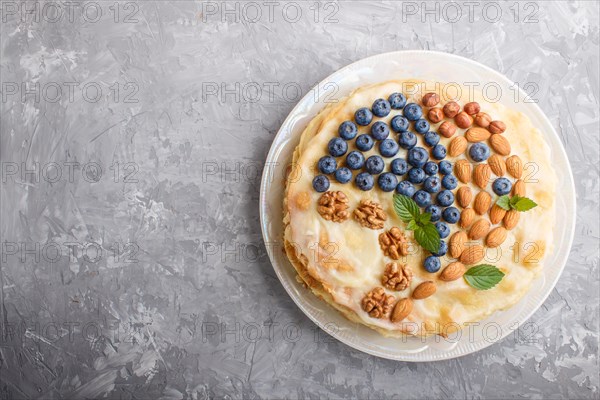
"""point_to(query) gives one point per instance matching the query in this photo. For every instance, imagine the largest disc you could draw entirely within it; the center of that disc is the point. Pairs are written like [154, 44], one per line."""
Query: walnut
[370, 214]
[333, 206]
[377, 303]
[393, 243]
[397, 276]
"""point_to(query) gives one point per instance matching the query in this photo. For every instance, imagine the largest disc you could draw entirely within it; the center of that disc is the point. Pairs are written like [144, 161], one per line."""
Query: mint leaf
[406, 208]
[424, 218]
[483, 277]
[428, 237]
[504, 202]
[522, 203]
[412, 225]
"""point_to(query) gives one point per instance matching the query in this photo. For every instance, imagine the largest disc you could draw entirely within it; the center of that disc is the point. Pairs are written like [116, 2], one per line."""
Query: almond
[447, 129]
[511, 219]
[431, 99]
[477, 134]
[401, 310]
[481, 175]
[464, 195]
[482, 204]
[472, 254]
[472, 108]
[458, 145]
[463, 120]
[466, 217]
[497, 164]
[424, 290]
[497, 213]
[453, 271]
[500, 144]
[483, 120]
[514, 166]
[496, 237]
[519, 188]
[451, 109]
[457, 243]
[435, 115]
[480, 228]
[497, 127]
[462, 170]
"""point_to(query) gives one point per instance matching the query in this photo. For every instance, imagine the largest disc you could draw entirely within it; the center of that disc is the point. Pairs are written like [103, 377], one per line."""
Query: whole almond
[402, 309]
[483, 120]
[462, 170]
[482, 203]
[472, 254]
[519, 188]
[497, 127]
[511, 219]
[424, 290]
[457, 243]
[497, 164]
[497, 213]
[514, 166]
[431, 99]
[447, 129]
[481, 175]
[453, 271]
[458, 145]
[466, 217]
[500, 144]
[463, 120]
[496, 237]
[472, 108]
[451, 109]
[480, 228]
[477, 134]
[464, 195]
[435, 115]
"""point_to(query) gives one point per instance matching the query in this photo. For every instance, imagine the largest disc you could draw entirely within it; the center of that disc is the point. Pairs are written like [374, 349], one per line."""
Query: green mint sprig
[424, 230]
[515, 203]
[483, 277]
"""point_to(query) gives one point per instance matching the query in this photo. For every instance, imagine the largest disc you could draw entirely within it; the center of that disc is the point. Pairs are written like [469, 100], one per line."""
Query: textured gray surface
[190, 98]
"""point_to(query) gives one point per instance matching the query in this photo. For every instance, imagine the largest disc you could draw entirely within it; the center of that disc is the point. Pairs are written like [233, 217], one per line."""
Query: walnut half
[397, 276]
[393, 243]
[377, 303]
[370, 214]
[333, 206]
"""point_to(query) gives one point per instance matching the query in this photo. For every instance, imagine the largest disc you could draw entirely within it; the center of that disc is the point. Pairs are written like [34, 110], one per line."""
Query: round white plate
[431, 66]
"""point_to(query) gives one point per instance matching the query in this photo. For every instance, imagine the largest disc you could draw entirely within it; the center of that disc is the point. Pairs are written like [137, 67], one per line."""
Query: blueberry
[502, 186]
[430, 168]
[364, 181]
[374, 165]
[435, 211]
[445, 198]
[347, 130]
[327, 165]
[388, 148]
[443, 229]
[381, 107]
[432, 184]
[443, 249]
[343, 175]
[449, 182]
[363, 116]
[421, 126]
[407, 140]
[445, 167]
[438, 152]
[321, 183]
[380, 130]
[406, 188]
[355, 160]
[399, 124]
[387, 181]
[397, 101]
[364, 142]
[416, 175]
[451, 215]
[479, 152]
[431, 138]
[337, 147]
[412, 111]
[422, 198]
[399, 166]
[417, 157]
[432, 264]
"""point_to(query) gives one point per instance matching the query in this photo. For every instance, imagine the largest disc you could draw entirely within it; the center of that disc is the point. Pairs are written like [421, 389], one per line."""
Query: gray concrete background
[133, 138]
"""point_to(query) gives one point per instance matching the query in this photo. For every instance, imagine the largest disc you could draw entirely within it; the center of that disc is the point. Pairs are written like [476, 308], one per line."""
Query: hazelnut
[447, 129]
[497, 127]
[472, 108]
[451, 109]
[483, 120]
[463, 120]
[431, 99]
[435, 115]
